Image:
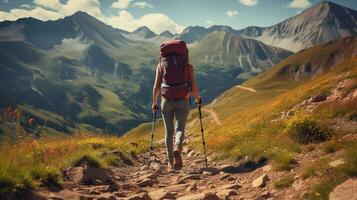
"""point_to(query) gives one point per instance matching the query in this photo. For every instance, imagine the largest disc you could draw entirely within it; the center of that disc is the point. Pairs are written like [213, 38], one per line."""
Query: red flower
[31, 121]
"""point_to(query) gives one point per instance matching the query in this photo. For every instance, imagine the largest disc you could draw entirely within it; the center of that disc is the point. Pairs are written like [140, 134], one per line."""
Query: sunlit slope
[246, 115]
[289, 73]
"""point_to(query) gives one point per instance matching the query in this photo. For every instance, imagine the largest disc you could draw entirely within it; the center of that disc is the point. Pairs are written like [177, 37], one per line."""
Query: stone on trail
[205, 174]
[345, 191]
[212, 170]
[191, 154]
[266, 168]
[150, 176]
[200, 196]
[146, 182]
[161, 194]
[192, 187]
[141, 196]
[119, 194]
[336, 163]
[178, 180]
[230, 186]
[224, 176]
[261, 181]
[144, 167]
[226, 194]
[113, 188]
[156, 167]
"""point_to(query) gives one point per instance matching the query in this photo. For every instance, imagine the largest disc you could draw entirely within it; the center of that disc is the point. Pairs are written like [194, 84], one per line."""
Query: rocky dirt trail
[213, 115]
[222, 180]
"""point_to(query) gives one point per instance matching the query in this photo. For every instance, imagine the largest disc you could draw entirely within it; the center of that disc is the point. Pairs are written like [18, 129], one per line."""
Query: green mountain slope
[95, 77]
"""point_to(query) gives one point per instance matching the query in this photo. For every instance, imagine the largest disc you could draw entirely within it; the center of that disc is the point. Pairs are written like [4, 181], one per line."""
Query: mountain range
[81, 73]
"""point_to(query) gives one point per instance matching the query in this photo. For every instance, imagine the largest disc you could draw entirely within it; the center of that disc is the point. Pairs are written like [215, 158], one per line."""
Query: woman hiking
[174, 79]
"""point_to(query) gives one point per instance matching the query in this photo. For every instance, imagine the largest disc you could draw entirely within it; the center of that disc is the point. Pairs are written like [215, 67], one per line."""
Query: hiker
[174, 78]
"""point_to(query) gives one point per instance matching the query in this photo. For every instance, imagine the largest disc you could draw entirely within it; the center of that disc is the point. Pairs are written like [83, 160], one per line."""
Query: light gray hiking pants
[178, 110]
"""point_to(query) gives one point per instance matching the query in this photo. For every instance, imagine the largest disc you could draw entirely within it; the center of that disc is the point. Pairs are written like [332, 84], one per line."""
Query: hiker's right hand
[154, 107]
[199, 101]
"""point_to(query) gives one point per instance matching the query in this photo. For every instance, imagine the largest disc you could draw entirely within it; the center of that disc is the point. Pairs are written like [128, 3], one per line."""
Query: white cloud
[54, 4]
[54, 9]
[209, 21]
[157, 22]
[121, 4]
[299, 4]
[38, 12]
[232, 13]
[249, 2]
[142, 4]
[26, 6]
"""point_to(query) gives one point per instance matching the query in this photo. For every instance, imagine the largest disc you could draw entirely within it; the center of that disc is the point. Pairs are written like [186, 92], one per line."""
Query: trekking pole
[203, 137]
[152, 138]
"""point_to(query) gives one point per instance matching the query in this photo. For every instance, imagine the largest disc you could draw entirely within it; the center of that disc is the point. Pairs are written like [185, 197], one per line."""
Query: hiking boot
[170, 167]
[177, 159]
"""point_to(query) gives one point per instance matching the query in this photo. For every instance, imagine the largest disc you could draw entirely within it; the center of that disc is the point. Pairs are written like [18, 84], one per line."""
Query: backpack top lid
[173, 47]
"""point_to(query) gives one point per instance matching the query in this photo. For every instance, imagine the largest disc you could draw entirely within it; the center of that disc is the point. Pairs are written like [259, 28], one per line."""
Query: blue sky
[160, 15]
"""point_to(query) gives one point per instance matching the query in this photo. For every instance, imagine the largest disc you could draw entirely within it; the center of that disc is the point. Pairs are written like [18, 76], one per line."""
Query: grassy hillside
[32, 164]
[261, 118]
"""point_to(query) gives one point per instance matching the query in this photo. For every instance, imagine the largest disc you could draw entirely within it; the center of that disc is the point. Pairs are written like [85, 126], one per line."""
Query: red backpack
[174, 69]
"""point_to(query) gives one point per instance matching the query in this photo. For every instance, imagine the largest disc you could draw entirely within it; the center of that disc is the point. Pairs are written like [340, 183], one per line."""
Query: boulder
[75, 174]
[345, 191]
[89, 175]
[97, 176]
[261, 181]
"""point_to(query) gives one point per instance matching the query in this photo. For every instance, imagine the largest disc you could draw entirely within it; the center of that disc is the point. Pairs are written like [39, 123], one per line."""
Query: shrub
[305, 131]
[350, 156]
[331, 147]
[308, 172]
[283, 182]
[283, 160]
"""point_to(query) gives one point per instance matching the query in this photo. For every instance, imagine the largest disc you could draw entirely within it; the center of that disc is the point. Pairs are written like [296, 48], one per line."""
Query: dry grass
[31, 163]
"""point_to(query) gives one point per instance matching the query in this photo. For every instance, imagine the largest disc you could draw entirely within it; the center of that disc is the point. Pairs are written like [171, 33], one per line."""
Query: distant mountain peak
[142, 28]
[80, 15]
[167, 34]
[145, 32]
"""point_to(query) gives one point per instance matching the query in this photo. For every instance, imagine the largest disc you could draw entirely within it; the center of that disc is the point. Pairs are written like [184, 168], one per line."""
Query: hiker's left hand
[155, 107]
